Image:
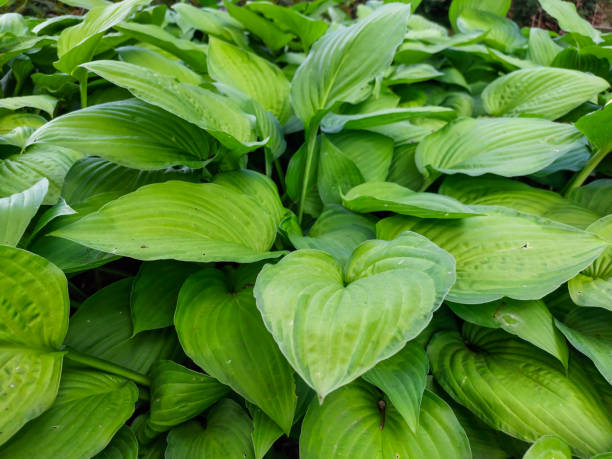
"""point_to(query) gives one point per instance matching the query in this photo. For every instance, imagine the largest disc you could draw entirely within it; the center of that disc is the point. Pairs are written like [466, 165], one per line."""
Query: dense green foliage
[278, 231]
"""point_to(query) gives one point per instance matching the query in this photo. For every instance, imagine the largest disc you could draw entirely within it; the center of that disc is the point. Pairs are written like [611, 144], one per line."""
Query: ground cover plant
[248, 231]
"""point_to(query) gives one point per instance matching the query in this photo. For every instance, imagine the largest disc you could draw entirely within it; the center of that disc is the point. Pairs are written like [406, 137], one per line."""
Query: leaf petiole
[108, 367]
[581, 176]
[311, 139]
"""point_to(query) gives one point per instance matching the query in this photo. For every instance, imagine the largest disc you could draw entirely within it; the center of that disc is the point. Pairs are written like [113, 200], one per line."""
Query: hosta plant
[318, 231]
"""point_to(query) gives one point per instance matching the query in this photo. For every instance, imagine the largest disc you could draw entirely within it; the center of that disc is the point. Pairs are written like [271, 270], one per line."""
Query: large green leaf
[156, 61]
[499, 191]
[342, 62]
[498, 7]
[193, 54]
[529, 320]
[500, 33]
[593, 286]
[227, 434]
[234, 219]
[77, 44]
[590, 331]
[130, 133]
[179, 394]
[102, 327]
[221, 330]
[90, 408]
[357, 422]
[520, 390]
[251, 74]
[549, 447]
[403, 378]
[594, 196]
[17, 210]
[569, 20]
[333, 326]
[504, 253]
[34, 320]
[155, 292]
[123, 446]
[502, 146]
[211, 21]
[391, 197]
[542, 92]
[542, 49]
[215, 113]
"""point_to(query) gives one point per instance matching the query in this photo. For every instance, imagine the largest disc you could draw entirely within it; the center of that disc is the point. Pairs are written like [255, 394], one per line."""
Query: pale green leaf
[34, 311]
[549, 447]
[569, 20]
[594, 196]
[179, 394]
[384, 298]
[130, 133]
[497, 7]
[123, 446]
[391, 197]
[500, 33]
[542, 92]
[190, 221]
[502, 146]
[529, 320]
[227, 434]
[542, 49]
[17, 210]
[408, 74]
[40, 102]
[90, 408]
[342, 62]
[504, 252]
[403, 378]
[159, 63]
[593, 127]
[520, 390]
[356, 422]
[221, 330]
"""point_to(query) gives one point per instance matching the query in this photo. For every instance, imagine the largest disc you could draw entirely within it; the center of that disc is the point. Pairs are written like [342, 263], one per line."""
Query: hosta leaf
[403, 378]
[189, 221]
[333, 122]
[337, 173]
[102, 328]
[591, 126]
[251, 74]
[408, 74]
[22, 171]
[265, 431]
[191, 53]
[542, 92]
[497, 7]
[155, 292]
[123, 446]
[179, 394]
[342, 62]
[220, 329]
[520, 390]
[130, 133]
[549, 447]
[499, 191]
[77, 44]
[90, 408]
[34, 312]
[529, 320]
[227, 434]
[593, 286]
[391, 197]
[590, 331]
[569, 20]
[593, 196]
[542, 49]
[211, 21]
[351, 423]
[17, 210]
[288, 20]
[403, 169]
[504, 253]
[385, 297]
[41, 102]
[500, 33]
[336, 231]
[217, 114]
[502, 146]
[159, 63]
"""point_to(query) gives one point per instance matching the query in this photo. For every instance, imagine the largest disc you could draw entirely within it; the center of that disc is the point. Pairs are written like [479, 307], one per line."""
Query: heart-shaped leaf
[227, 434]
[332, 325]
[34, 320]
[190, 221]
[520, 390]
[90, 408]
[221, 330]
[179, 394]
[342, 62]
[357, 422]
[504, 252]
[391, 197]
[403, 378]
